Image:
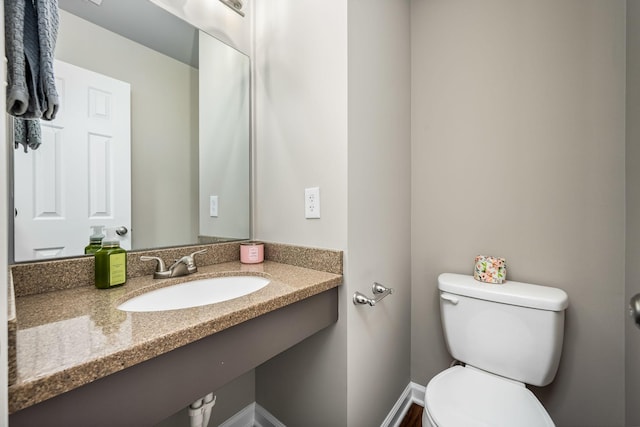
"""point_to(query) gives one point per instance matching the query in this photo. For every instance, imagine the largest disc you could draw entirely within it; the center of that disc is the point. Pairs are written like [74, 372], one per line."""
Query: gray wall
[379, 206]
[332, 110]
[301, 141]
[164, 128]
[633, 210]
[518, 151]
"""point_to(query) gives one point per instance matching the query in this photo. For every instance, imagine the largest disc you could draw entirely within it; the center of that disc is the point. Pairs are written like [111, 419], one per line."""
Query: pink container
[251, 253]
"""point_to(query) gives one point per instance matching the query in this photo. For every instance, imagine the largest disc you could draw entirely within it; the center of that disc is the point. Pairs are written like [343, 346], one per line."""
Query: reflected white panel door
[81, 174]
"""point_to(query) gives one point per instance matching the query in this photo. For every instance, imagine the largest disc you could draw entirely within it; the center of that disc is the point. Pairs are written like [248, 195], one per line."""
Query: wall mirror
[189, 135]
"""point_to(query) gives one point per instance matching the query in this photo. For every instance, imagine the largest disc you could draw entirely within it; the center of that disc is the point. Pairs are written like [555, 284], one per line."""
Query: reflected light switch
[213, 206]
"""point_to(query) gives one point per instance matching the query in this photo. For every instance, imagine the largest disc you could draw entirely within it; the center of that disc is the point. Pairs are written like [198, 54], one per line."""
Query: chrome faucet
[182, 267]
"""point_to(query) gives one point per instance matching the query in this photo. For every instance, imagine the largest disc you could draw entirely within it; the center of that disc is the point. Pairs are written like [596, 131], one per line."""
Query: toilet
[502, 336]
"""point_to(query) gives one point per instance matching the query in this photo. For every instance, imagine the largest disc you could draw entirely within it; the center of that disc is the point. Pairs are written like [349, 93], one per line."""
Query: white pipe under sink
[200, 411]
[209, 401]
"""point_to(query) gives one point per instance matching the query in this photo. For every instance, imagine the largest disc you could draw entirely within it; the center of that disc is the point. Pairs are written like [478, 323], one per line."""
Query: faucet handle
[191, 262]
[198, 252]
[160, 267]
[191, 258]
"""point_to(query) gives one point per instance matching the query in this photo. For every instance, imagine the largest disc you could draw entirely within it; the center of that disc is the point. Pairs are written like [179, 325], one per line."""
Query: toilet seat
[468, 397]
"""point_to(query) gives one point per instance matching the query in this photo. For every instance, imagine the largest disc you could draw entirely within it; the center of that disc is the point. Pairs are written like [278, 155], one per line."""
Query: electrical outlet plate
[312, 202]
[213, 206]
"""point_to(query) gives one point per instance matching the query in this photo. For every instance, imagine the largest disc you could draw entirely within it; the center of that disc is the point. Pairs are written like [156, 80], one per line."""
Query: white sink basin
[195, 293]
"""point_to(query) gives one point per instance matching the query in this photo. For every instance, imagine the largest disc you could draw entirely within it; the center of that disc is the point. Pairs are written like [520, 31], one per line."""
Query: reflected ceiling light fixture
[235, 5]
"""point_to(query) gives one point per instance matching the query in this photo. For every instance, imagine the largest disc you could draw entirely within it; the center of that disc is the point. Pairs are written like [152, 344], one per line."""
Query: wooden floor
[413, 417]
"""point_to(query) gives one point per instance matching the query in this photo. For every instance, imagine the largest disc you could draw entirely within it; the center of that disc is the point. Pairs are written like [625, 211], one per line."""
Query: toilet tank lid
[509, 292]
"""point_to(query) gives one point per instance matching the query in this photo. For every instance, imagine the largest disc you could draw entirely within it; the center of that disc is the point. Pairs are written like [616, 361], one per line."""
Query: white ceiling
[143, 22]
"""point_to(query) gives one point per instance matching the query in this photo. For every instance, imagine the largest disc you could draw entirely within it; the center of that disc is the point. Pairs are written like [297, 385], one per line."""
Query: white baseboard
[243, 418]
[252, 415]
[265, 419]
[413, 393]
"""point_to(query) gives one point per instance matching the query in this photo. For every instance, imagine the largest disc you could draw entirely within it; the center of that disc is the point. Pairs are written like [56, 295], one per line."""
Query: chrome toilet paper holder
[379, 292]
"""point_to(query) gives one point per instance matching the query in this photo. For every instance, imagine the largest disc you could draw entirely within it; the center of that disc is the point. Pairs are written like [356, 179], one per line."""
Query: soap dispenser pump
[95, 240]
[110, 262]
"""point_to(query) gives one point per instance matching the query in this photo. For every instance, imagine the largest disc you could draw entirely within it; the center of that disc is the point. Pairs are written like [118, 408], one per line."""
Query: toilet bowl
[505, 335]
[469, 397]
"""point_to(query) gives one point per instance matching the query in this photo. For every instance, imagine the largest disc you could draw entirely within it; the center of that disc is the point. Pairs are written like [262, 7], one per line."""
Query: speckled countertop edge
[290, 283]
[12, 327]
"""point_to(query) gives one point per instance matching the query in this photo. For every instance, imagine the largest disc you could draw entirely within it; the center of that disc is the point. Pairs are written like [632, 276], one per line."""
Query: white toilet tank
[514, 329]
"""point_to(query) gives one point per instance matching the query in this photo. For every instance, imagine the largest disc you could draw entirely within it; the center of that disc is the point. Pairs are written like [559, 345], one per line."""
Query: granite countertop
[68, 338]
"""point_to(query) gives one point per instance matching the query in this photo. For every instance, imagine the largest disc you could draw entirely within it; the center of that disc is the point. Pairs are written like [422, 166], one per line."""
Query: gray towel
[27, 133]
[48, 22]
[17, 92]
[31, 29]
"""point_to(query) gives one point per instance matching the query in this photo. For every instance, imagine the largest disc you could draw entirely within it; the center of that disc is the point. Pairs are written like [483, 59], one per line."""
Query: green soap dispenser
[111, 262]
[95, 240]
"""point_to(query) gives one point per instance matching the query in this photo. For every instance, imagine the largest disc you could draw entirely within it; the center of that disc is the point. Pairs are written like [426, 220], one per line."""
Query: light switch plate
[312, 202]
